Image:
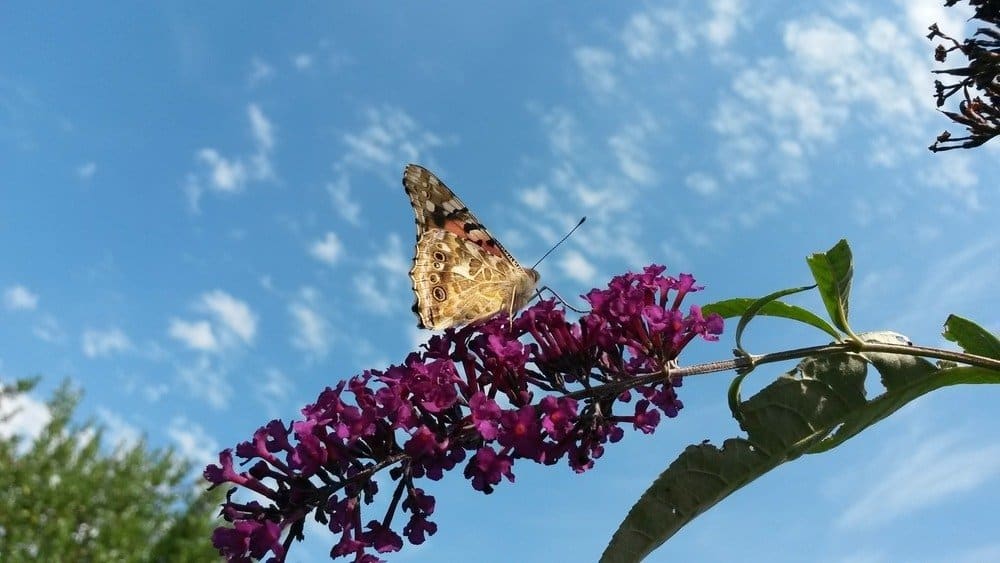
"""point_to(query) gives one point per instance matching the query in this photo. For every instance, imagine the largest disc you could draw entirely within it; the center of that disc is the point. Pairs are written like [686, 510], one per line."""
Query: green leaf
[804, 404]
[833, 271]
[812, 408]
[740, 306]
[700, 477]
[973, 338]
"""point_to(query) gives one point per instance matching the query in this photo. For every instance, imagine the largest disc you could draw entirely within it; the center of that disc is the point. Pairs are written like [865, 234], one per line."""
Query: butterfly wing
[460, 273]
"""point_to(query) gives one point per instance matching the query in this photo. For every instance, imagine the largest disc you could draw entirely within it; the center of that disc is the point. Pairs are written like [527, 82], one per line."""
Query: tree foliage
[66, 497]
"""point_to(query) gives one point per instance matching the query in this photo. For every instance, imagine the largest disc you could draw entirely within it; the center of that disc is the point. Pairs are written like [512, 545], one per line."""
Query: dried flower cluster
[979, 80]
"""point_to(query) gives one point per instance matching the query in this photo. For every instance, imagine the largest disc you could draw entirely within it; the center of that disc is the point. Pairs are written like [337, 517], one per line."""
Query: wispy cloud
[19, 297]
[231, 313]
[392, 259]
[275, 387]
[22, 415]
[118, 432]
[231, 323]
[598, 69]
[311, 332]
[388, 139]
[206, 382]
[628, 146]
[929, 471]
[576, 266]
[86, 170]
[953, 176]
[938, 285]
[193, 334]
[702, 184]
[384, 278]
[263, 135]
[49, 330]
[103, 343]
[193, 442]
[231, 174]
[726, 16]
[658, 33]
[348, 207]
[369, 295]
[302, 61]
[225, 175]
[327, 249]
[260, 71]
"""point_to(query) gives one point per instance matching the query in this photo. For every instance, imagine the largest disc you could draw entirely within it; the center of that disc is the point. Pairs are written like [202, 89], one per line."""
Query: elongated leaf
[700, 477]
[739, 306]
[812, 408]
[973, 338]
[889, 403]
[833, 271]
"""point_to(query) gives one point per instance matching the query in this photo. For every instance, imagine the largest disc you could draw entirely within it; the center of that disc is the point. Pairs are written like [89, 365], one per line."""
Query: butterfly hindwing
[460, 273]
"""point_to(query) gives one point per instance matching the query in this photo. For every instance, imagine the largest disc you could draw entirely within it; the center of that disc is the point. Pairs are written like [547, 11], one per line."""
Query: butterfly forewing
[460, 273]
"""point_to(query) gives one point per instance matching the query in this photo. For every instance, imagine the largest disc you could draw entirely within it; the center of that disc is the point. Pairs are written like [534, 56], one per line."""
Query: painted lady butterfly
[461, 274]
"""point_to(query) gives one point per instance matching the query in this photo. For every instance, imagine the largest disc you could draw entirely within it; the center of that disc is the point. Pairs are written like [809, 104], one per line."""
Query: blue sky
[203, 226]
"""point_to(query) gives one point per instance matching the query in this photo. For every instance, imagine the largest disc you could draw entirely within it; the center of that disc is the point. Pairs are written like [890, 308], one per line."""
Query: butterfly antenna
[556, 245]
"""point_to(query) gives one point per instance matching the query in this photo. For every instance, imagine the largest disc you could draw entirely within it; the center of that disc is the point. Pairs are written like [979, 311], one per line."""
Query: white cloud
[340, 196]
[952, 174]
[86, 170]
[389, 139]
[263, 129]
[576, 266]
[725, 18]
[274, 388]
[117, 431]
[302, 61]
[234, 315]
[102, 343]
[328, 249]
[18, 297]
[312, 332]
[230, 175]
[657, 33]
[154, 392]
[48, 329]
[391, 258]
[21, 415]
[192, 191]
[225, 175]
[932, 470]
[206, 382]
[232, 323]
[260, 71]
[937, 284]
[197, 334]
[702, 184]
[536, 198]
[193, 443]
[629, 148]
[371, 297]
[562, 130]
[598, 67]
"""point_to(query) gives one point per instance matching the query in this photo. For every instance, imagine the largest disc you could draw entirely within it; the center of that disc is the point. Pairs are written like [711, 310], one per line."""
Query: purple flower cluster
[471, 390]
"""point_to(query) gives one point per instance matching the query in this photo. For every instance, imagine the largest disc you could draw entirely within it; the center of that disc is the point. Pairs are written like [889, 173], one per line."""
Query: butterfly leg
[538, 293]
[510, 308]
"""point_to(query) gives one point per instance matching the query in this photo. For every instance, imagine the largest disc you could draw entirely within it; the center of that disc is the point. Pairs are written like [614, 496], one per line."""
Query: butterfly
[461, 274]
